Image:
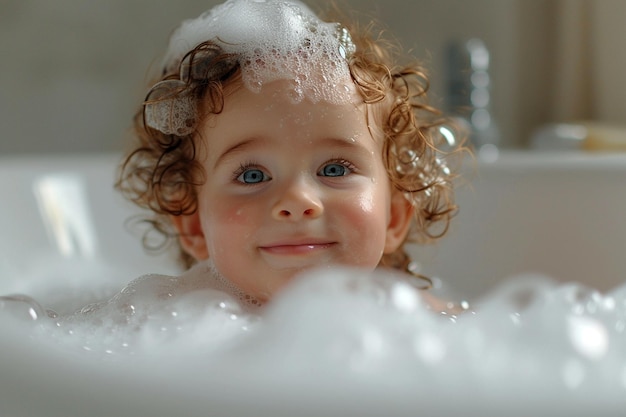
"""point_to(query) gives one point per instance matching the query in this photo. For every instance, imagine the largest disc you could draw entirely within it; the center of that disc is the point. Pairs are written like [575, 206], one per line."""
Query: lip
[297, 246]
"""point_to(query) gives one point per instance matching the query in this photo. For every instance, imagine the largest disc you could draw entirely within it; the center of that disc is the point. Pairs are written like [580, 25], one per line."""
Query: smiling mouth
[296, 249]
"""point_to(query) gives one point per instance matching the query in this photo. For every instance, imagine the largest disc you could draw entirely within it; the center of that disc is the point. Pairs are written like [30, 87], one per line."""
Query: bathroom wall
[72, 72]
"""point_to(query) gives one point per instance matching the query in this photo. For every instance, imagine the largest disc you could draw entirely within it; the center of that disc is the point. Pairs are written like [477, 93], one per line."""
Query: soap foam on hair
[274, 40]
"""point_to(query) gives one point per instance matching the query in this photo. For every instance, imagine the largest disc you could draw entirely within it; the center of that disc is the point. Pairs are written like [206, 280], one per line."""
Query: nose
[299, 201]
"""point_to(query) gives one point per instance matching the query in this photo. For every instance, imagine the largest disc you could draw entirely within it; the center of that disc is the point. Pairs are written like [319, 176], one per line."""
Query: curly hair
[162, 173]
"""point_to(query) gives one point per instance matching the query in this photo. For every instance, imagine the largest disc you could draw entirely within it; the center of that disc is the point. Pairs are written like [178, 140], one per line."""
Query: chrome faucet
[468, 95]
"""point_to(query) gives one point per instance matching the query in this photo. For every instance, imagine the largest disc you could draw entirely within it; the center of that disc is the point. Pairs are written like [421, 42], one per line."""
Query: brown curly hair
[162, 173]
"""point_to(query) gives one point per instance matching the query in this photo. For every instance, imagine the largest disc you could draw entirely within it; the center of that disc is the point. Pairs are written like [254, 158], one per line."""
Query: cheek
[234, 215]
[364, 225]
[228, 211]
[367, 212]
[227, 223]
[366, 203]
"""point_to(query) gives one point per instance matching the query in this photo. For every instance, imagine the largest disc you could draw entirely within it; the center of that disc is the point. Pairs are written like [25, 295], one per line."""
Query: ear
[400, 217]
[191, 235]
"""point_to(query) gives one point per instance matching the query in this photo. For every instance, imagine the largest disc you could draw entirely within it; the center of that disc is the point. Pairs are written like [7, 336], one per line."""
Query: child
[273, 143]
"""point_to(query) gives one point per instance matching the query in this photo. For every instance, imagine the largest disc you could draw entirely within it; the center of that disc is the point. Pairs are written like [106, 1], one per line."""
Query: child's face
[291, 186]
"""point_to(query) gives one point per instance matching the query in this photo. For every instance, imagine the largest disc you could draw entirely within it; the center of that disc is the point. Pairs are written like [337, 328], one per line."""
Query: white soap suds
[170, 116]
[273, 40]
[334, 342]
[154, 311]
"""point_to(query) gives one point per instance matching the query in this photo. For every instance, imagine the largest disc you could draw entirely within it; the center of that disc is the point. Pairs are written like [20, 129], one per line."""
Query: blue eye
[334, 170]
[252, 176]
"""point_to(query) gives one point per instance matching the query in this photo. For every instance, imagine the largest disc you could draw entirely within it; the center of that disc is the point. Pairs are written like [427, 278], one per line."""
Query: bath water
[335, 342]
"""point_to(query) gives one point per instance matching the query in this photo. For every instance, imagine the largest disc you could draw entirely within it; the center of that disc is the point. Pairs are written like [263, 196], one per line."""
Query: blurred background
[72, 72]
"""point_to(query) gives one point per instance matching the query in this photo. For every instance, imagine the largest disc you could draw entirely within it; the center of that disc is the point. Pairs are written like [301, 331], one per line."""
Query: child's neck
[221, 283]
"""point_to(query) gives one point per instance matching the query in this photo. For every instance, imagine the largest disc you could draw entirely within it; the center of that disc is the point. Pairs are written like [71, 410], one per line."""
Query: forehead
[281, 101]
[273, 115]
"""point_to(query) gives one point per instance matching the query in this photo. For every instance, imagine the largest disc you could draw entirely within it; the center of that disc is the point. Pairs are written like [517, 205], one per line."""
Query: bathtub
[62, 221]
[67, 242]
[557, 214]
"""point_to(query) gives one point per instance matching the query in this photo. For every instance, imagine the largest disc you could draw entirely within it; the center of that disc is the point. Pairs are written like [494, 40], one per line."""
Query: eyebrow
[336, 142]
[341, 142]
[345, 143]
[235, 149]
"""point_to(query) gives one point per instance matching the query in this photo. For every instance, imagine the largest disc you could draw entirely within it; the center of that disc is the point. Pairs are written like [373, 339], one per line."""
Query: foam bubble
[151, 313]
[335, 341]
[274, 40]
